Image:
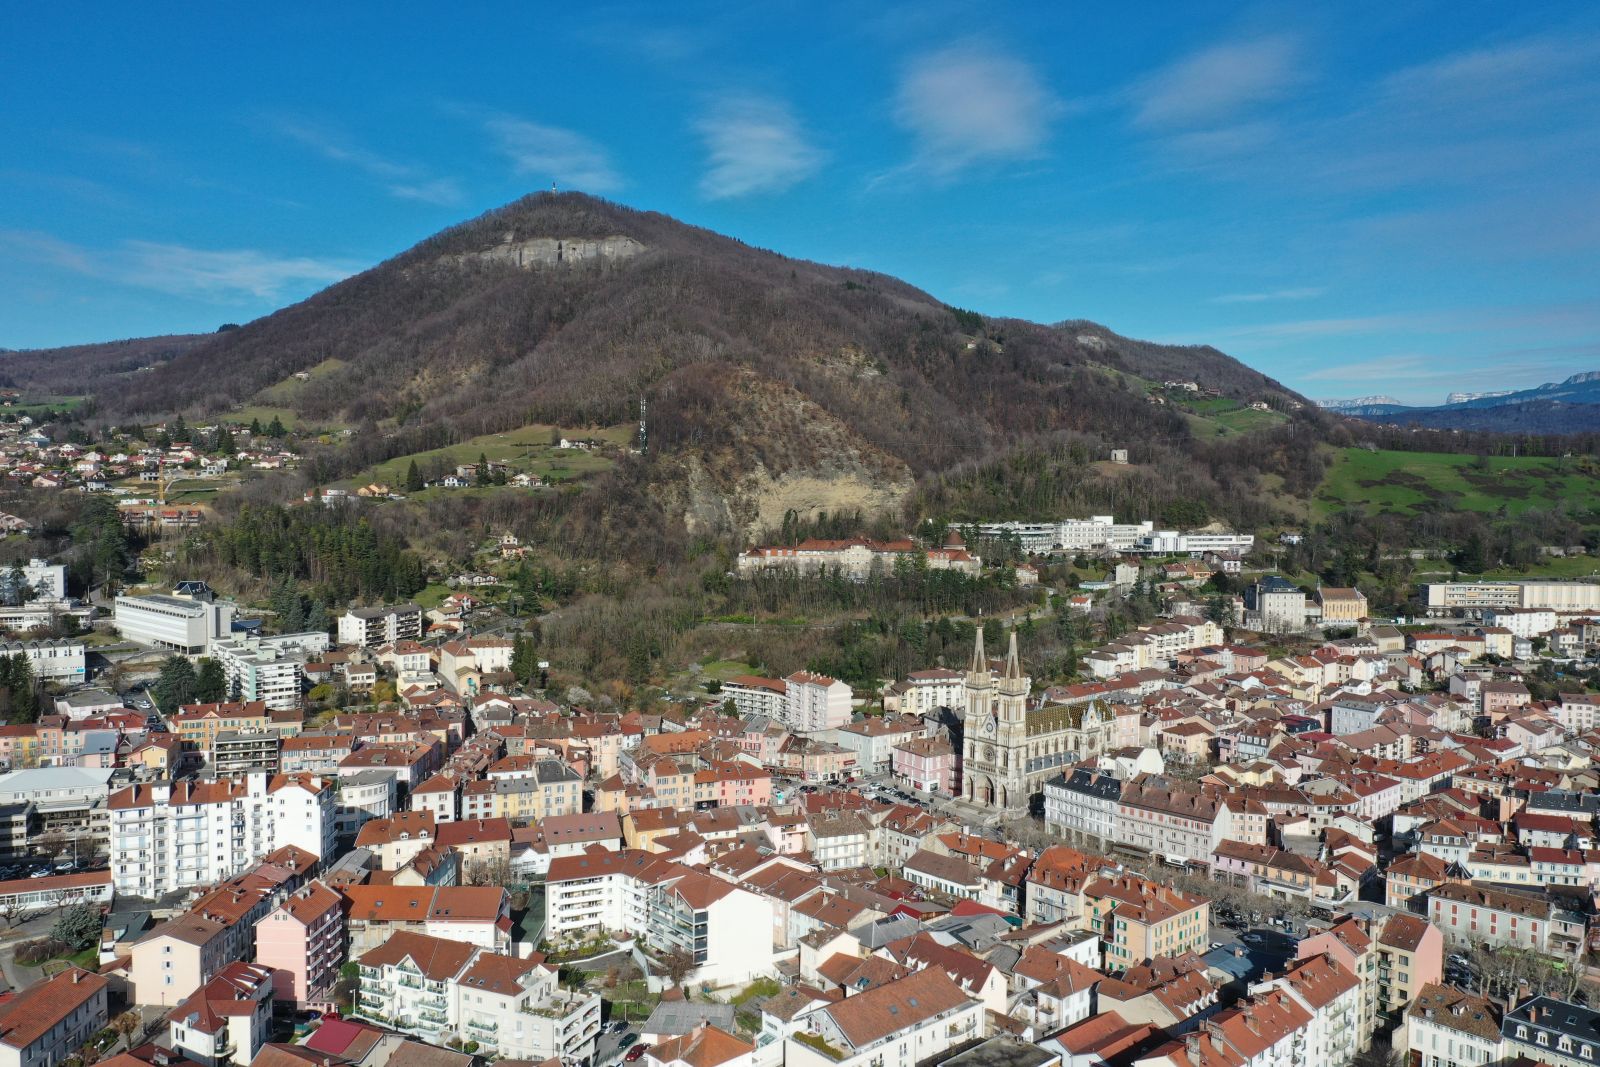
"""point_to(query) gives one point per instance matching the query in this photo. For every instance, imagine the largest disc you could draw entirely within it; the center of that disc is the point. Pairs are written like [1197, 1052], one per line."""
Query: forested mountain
[773, 385]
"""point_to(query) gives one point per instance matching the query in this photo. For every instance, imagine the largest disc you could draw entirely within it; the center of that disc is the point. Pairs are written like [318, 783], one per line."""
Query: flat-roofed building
[178, 624]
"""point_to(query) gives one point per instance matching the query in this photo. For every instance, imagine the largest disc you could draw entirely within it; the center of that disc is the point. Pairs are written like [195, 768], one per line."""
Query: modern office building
[175, 623]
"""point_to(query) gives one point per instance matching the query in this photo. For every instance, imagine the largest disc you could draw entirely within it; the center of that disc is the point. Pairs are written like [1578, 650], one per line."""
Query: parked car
[636, 1052]
[627, 1040]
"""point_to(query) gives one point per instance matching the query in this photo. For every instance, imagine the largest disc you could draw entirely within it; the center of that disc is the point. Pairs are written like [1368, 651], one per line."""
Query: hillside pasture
[1414, 482]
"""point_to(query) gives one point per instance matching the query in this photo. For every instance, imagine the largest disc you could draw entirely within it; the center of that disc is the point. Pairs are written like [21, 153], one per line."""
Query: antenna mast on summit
[644, 433]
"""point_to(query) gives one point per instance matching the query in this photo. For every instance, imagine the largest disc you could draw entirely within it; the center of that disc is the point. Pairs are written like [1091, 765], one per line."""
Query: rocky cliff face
[543, 253]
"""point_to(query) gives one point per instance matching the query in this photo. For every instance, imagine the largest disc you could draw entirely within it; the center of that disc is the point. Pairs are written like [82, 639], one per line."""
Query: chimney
[1191, 1046]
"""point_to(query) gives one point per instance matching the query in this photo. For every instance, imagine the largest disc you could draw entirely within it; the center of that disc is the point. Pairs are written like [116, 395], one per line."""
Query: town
[1263, 828]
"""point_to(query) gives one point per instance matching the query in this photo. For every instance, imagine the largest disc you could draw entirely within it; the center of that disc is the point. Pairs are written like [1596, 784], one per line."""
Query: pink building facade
[303, 941]
[928, 764]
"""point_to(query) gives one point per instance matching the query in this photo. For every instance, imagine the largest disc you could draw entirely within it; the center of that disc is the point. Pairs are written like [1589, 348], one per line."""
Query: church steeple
[1014, 686]
[1013, 675]
[979, 668]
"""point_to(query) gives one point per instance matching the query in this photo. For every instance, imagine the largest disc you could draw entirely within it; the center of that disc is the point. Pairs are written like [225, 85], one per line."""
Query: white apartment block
[1522, 622]
[52, 661]
[268, 669]
[815, 702]
[924, 692]
[753, 695]
[47, 580]
[1558, 596]
[512, 1008]
[176, 835]
[1173, 542]
[728, 929]
[1069, 535]
[371, 627]
[174, 623]
[898, 1024]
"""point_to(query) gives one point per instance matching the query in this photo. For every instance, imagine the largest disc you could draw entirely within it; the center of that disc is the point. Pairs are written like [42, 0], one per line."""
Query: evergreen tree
[255, 427]
[414, 481]
[175, 685]
[483, 469]
[289, 606]
[318, 618]
[524, 659]
[211, 683]
[180, 429]
[24, 693]
[223, 442]
[275, 428]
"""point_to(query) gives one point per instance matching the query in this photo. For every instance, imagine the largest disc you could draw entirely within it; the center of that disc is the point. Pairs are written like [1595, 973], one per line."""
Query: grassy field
[34, 405]
[1415, 482]
[525, 450]
[290, 389]
[1225, 415]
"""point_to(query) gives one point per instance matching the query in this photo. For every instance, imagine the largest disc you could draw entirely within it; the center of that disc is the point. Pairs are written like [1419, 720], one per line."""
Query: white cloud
[226, 274]
[970, 104]
[1304, 293]
[1216, 83]
[402, 180]
[755, 146]
[554, 154]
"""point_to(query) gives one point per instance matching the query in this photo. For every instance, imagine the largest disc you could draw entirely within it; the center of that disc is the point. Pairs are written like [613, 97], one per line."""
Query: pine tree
[255, 427]
[483, 469]
[414, 481]
[275, 428]
[180, 429]
[175, 685]
[211, 682]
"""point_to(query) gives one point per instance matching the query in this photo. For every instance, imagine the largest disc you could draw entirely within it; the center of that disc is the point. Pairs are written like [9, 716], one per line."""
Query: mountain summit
[772, 384]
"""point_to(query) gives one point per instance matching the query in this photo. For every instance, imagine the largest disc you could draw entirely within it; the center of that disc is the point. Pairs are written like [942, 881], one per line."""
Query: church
[1009, 750]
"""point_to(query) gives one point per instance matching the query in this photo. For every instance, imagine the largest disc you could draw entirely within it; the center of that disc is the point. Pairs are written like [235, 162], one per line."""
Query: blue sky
[1393, 197]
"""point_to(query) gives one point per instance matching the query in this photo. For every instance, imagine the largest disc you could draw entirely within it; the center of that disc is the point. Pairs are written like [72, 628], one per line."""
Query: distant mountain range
[1572, 406]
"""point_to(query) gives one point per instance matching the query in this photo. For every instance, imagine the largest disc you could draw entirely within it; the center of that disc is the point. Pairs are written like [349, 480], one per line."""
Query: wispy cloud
[1389, 368]
[553, 153]
[755, 145]
[225, 274]
[402, 180]
[1217, 83]
[970, 104]
[1305, 293]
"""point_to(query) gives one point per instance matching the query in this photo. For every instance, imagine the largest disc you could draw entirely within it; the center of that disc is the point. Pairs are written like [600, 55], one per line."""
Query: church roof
[1055, 718]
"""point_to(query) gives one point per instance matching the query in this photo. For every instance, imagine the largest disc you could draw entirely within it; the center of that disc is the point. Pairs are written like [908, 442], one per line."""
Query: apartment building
[897, 1024]
[302, 941]
[729, 929]
[474, 915]
[874, 737]
[1558, 596]
[371, 627]
[52, 660]
[754, 695]
[443, 991]
[234, 753]
[227, 1020]
[1410, 957]
[1446, 1027]
[814, 702]
[50, 1021]
[549, 788]
[173, 835]
[925, 692]
[268, 669]
[1470, 914]
[1137, 919]
[1331, 996]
